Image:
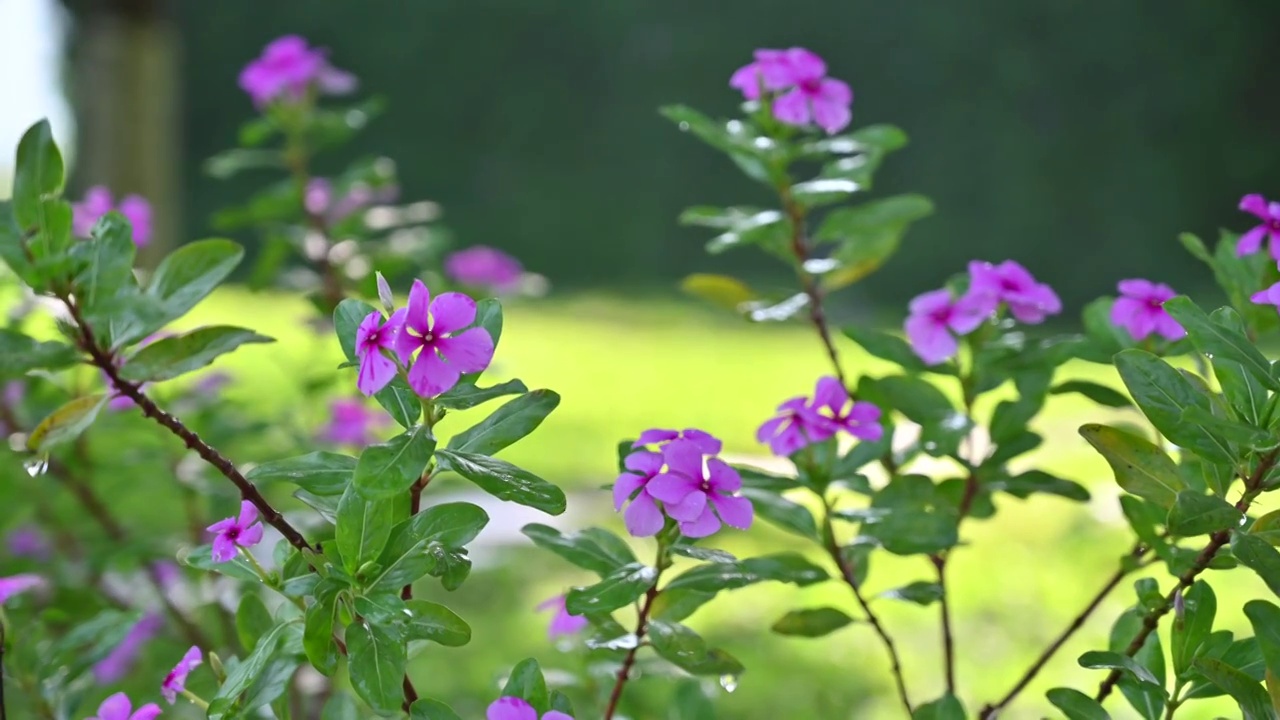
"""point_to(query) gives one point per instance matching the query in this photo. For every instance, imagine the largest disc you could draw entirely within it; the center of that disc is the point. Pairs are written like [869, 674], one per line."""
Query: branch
[332, 292]
[989, 711]
[948, 638]
[800, 248]
[642, 626]
[1216, 541]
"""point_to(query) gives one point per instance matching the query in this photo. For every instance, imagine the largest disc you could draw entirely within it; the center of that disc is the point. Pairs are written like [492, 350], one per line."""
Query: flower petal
[705, 525]
[688, 509]
[831, 115]
[624, 487]
[792, 108]
[1251, 241]
[431, 375]
[248, 514]
[419, 305]
[223, 549]
[643, 518]
[510, 708]
[1253, 203]
[671, 487]
[469, 351]
[451, 312]
[721, 477]
[150, 711]
[653, 436]
[684, 456]
[735, 511]
[368, 326]
[830, 393]
[931, 341]
[556, 714]
[709, 444]
[250, 536]
[645, 462]
[116, 707]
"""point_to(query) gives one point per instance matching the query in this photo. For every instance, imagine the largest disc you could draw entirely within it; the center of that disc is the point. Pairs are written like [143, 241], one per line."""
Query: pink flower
[514, 708]
[1140, 310]
[796, 426]
[859, 419]
[1269, 296]
[697, 495]
[28, 541]
[288, 68]
[485, 267]
[318, 199]
[97, 202]
[15, 584]
[810, 96]
[447, 349]
[772, 70]
[708, 443]
[936, 319]
[244, 531]
[1029, 301]
[1269, 228]
[351, 422]
[116, 665]
[562, 623]
[372, 337]
[176, 681]
[643, 518]
[119, 707]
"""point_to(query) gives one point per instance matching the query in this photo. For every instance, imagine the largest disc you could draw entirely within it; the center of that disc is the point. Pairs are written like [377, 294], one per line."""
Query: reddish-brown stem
[415, 506]
[990, 711]
[331, 289]
[948, 638]
[642, 627]
[810, 286]
[1216, 542]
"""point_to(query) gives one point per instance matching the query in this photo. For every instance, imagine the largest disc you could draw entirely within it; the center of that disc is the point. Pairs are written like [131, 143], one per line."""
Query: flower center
[1273, 224]
[1155, 303]
[233, 534]
[427, 337]
[811, 86]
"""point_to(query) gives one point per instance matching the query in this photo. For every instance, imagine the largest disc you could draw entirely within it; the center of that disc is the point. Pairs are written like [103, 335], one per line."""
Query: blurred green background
[1078, 138]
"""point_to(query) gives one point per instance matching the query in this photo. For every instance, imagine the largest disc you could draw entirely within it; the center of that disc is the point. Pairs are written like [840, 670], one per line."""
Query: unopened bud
[215, 664]
[1179, 610]
[384, 294]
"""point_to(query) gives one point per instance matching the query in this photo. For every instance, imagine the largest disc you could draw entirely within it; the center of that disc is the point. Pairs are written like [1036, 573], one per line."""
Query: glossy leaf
[388, 469]
[426, 709]
[1100, 394]
[437, 623]
[1076, 705]
[508, 424]
[1254, 702]
[172, 357]
[463, 396]
[918, 592]
[1200, 606]
[1100, 660]
[811, 622]
[317, 630]
[107, 260]
[1139, 466]
[504, 481]
[66, 423]
[526, 682]
[38, 173]
[781, 512]
[1163, 394]
[362, 529]
[782, 567]
[578, 548]
[322, 473]
[616, 590]
[253, 621]
[242, 676]
[868, 234]
[187, 275]
[1196, 514]
[20, 354]
[886, 347]
[405, 557]
[947, 707]
[1258, 555]
[684, 648]
[400, 402]
[1265, 618]
[1220, 341]
[376, 663]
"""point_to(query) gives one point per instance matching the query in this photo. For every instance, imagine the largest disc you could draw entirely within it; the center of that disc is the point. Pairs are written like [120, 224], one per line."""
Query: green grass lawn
[622, 366]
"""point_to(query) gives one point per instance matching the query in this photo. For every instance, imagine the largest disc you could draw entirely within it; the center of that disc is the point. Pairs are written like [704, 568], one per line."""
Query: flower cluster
[289, 69]
[1251, 242]
[1140, 310]
[514, 708]
[97, 202]
[803, 94]
[431, 338]
[243, 531]
[695, 488]
[484, 267]
[802, 421]
[320, 201]
[937, 318]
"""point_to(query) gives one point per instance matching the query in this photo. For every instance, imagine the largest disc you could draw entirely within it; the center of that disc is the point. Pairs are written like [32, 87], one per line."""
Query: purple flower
[794, 427]
[28, 541]
[708, 443]
[697, 495]
[643, 518]
[288, 68]
[1269, 296]
[116, 665]
[211, 383]
[167, 573]
[318, 199]
[514, 708]
[811, 97]
[176, 681]
[562, 623]
[1140, 310]
[97, 202]
[936, 319]
[119, 707]
[771, 71]
[372, 337]
[485, 267]
[1269, 214]
[859, 419]
[447, 350]
[1029, 301]
[14, 584]
[351, 422]
[244, 531]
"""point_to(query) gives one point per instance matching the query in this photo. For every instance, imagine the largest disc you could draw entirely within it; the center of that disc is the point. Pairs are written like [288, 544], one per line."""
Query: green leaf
[201, 558]
[253, 620]
[1257, 554]
[38, 173]
[66, 423]
[171, 357]
[1189, 632]
[676, 605]
[342, 706]
[425, 709]
[1100, 394]
[721, 291]
[742, 226]
[509, 423]
[88, 642]
[1265, 618]
[504, 481]
[189, 274]
[322, 473]
[1254, 702]
[317, 629]
[107, 260]
[1100, 660]
[946, 707]
[1139, 466]
[943, 427]
[1220, 341]
[388, 469]
[579, 549]
[437, 623]
[1164, 395]
[1076, 705]
[362, 529]
[703, 554]
[20, 354]
[464, 396]
[616, 590]
[811, 622]
[918, 592]
[779, 511]
[781, 567]
[400, 402]
[886, 347]
[526, 682]
[736, 139]
[1196, 514]
[685, 649]
[1247, 396]
[489, 317]
[909, 516]
[405, 558]
[1037, 481]
[868, 234]
[1267, 527]
[376, 663]
[382, 608]
[243, 674]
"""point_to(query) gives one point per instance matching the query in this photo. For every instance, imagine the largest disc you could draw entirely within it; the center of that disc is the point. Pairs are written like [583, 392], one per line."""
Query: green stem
[195, 699]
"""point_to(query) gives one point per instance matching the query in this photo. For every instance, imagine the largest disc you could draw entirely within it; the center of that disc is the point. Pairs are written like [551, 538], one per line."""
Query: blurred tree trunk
[124, 87]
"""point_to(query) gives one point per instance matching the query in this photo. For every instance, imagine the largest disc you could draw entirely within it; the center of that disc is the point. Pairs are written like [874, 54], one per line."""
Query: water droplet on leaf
[729, 683]
[36, 466]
